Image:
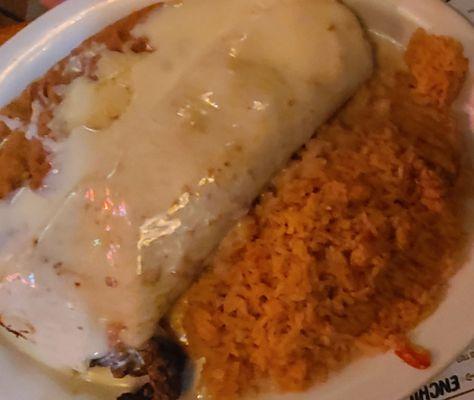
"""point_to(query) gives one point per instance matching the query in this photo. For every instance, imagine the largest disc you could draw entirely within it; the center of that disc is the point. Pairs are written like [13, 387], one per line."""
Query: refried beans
[24, 160]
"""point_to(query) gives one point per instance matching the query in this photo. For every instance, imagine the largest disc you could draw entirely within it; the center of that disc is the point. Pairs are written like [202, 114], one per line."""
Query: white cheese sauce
[163, 154]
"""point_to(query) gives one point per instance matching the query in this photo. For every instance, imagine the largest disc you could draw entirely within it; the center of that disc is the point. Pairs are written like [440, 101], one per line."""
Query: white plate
[446, 333]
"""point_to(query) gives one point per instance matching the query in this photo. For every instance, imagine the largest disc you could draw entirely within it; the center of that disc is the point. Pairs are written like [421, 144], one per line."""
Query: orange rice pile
[438, 66]
[350, 248]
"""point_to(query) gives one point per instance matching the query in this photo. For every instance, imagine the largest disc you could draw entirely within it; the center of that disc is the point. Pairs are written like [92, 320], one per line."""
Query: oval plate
[38, 47]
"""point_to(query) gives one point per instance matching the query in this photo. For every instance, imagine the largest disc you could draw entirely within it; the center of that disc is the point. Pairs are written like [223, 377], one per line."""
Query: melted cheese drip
[164, 153]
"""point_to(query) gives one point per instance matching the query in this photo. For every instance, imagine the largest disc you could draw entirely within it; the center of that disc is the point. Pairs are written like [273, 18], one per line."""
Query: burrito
[154, 157]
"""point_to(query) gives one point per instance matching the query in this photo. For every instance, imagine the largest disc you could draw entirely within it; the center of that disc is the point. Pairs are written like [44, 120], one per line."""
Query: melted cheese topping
[163, 154]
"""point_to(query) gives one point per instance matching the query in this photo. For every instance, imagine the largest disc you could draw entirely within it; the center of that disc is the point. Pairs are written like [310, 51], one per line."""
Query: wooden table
[12, 11]
[8, 31]
[15, 9]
